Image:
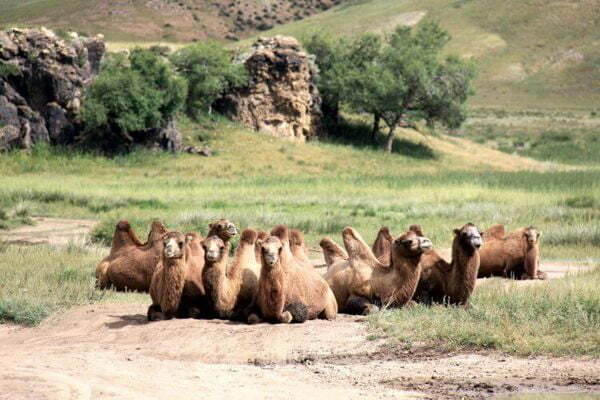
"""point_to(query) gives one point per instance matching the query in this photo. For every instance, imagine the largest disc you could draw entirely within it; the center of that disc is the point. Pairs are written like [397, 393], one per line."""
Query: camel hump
[416, 228]
[495, 232]
[123, 226]
[249, 236]
[384, 231]
[296, 237]
[281, 232]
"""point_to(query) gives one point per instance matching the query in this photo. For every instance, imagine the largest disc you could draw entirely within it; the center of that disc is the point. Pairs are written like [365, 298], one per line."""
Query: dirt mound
[110, 351]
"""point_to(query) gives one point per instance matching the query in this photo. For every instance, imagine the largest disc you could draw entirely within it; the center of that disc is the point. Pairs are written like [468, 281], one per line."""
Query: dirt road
[109, 351]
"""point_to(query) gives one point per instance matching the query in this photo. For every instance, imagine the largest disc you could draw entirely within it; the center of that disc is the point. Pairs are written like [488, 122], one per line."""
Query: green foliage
[210, 72]
[398, 78]
[130, 97]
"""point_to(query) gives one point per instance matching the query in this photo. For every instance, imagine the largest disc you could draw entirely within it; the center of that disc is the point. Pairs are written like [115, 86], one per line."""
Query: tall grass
[559, 317]
[36, 281]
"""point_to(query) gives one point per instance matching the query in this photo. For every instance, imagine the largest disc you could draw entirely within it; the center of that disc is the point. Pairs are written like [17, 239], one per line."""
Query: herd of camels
[271, 277]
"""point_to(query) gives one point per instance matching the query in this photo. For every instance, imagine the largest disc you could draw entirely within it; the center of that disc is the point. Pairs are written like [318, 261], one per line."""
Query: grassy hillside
[532, 54]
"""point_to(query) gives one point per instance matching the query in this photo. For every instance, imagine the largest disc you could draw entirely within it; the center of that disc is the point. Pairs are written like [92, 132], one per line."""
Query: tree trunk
[390, 139]
[375, 131]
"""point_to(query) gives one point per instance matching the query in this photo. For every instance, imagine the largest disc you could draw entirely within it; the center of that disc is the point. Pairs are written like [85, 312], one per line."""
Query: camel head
[271, 249]
[223, 228]
[174, 245]
[469, 237]
[532, 235]
[411, 245]
[214, 248]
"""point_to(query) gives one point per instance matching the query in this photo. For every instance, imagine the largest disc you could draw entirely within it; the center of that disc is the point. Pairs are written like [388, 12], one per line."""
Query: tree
[399, 79]
[129, 98]
[330, 57]
[210, 72]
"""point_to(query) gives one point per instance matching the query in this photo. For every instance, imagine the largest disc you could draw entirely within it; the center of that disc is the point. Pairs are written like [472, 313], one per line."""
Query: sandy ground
[53, 231]
[110, 351]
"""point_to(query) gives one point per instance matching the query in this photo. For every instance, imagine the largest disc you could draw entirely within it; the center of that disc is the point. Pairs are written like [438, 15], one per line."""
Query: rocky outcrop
[281, 98]
[42, 81]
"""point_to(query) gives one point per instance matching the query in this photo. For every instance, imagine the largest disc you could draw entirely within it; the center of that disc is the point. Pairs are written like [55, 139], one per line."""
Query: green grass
[558, 317]
[317, 187]
[566, 137]
[36, 281]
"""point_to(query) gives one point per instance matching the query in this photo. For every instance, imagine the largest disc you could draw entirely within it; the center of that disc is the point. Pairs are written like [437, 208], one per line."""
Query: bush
[130, 97]
[210, 73]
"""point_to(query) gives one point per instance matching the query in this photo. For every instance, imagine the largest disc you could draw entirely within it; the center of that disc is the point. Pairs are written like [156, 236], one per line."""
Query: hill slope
[535, 54]
[170, 20]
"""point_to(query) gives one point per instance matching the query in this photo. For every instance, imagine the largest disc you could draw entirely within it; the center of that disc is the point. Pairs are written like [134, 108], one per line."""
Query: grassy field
[560, 317]
[438, 181]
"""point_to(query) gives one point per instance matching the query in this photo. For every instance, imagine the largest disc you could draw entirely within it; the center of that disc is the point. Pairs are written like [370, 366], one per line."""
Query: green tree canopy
[210, 72]
[399, 78]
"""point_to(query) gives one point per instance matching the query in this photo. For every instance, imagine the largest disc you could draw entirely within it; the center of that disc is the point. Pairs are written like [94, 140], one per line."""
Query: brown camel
[514, 255]
[169, 278]
[230, 290]
[130, 264]
[288, 291]
[363, 281]
[454, 282]
[223, 228]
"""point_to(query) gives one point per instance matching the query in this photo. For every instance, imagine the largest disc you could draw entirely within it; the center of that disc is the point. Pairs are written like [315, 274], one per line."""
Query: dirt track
[110, 351]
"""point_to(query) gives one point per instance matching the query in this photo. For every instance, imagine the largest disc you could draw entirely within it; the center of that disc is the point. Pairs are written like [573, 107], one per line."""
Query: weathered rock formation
[42, 81]
[281, 98]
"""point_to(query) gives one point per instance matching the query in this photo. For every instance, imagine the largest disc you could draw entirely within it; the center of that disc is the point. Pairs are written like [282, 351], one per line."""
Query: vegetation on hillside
[130, 97]
[398, 79]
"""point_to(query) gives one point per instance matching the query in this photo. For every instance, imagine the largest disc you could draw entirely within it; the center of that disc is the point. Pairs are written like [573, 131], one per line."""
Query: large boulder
[281, 98]
[42, 81]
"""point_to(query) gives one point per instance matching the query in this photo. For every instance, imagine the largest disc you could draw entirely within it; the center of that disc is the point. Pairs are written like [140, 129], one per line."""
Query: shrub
[210, 72]
[130, 97]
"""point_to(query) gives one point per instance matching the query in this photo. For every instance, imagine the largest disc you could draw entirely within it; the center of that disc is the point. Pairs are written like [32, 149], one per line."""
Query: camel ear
[456, 231]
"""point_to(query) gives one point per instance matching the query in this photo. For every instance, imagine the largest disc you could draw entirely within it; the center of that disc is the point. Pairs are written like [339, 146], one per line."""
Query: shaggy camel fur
[298, 248]
[285, 286]
[451, 282]
[130, 264]
[362, 280]
[230, 290]
[332, 252]
[168, 281]
[516, 254]
[262, 235]
[382, 247]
